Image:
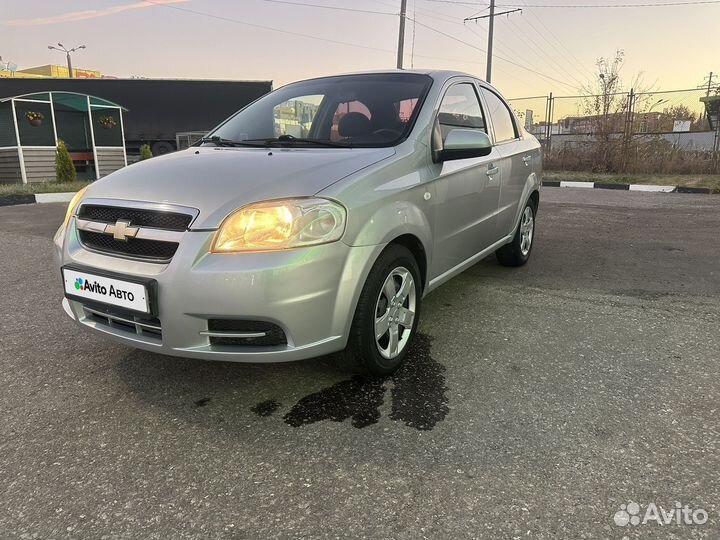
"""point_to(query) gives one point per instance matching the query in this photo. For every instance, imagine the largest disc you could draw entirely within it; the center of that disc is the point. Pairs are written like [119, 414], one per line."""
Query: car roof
[439, 75]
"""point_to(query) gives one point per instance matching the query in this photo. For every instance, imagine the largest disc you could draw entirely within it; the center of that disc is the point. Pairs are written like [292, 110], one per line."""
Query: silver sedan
[313, 221]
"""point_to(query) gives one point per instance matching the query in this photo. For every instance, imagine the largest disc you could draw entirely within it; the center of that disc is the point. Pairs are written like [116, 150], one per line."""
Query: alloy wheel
[527, 228]
[395, 312]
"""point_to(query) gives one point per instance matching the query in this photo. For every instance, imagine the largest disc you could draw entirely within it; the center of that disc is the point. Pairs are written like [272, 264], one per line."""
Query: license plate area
[99, 287]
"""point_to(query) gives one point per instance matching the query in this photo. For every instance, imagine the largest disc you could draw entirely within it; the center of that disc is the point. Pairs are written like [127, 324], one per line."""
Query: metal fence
[654, 132]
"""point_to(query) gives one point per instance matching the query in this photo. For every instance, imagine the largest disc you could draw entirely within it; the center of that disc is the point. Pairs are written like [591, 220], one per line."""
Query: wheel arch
[535, 198]
[415, 246]
[531, 192]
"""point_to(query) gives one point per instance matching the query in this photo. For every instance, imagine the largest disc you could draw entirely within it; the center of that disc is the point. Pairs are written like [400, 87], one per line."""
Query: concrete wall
[110, 160]
[690, 140]
[10, 166]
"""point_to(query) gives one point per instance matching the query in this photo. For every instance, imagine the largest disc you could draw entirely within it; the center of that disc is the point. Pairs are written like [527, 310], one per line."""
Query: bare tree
[605, 101]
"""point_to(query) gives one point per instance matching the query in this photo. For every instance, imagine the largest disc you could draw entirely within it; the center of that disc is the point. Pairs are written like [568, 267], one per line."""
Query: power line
[436, 15]
[573, 59]
[468, 28]
[337, 8]
[592, 6]
[514, 74]
[453, 21]
[270, 28]
[288, 32]
[491, 33]
[516, 64]
[424, 11]
[457, 2]
[350, 44]
[526, 38]
[478, 17]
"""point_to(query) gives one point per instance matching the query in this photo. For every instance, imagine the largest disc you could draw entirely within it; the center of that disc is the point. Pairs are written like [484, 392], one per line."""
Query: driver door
[467, 190]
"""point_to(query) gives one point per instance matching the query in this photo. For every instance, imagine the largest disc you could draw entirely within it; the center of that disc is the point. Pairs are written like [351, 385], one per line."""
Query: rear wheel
[387, 313]
[517, 252]
[160, 148]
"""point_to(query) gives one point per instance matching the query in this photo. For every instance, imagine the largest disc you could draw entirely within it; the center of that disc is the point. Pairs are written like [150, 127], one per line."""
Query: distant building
[52, 71]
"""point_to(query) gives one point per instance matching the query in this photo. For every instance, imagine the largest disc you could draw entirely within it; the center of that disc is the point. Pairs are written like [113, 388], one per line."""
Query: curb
[39, 198]
[628, 187]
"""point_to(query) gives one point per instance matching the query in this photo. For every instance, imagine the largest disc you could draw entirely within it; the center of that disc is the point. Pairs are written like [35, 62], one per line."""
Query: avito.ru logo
[89, 286]
[631, 514]
[95, 287]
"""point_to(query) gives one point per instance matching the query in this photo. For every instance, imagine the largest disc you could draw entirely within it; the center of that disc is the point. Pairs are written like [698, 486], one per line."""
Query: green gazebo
[31, 125]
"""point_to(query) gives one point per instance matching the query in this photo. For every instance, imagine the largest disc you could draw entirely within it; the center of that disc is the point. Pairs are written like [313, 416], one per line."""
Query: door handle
[492, 170]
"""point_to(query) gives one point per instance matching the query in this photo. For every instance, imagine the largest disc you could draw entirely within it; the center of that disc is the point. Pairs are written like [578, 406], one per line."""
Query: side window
[460, 108]
[405, 108]
[502, 118]
[295, 117]
[343, 109]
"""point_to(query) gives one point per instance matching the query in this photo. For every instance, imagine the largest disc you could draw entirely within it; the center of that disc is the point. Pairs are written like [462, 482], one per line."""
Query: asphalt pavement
[536, 402]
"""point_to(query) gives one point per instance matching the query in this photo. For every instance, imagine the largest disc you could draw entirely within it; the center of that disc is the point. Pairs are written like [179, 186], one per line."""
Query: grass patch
[40, 187]
[711, 181]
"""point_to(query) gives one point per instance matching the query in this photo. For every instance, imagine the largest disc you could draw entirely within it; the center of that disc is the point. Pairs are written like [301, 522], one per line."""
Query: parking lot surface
[536, 402]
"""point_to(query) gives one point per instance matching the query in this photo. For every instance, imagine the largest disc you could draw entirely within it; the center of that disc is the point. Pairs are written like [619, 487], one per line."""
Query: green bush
[145, 152]
[64, 166]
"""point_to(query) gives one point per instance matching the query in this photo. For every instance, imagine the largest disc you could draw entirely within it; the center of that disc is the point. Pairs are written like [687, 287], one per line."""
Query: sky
[539, 50]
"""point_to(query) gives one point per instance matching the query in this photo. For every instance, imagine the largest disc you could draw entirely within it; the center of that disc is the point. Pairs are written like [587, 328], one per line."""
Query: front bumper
[310, 293]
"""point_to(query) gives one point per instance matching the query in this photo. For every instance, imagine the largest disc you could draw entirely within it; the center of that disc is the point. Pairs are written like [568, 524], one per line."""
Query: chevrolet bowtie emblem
[121, 230]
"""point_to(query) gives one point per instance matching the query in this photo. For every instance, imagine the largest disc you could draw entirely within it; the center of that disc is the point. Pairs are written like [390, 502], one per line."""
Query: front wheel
[517, 252]
[387, 313]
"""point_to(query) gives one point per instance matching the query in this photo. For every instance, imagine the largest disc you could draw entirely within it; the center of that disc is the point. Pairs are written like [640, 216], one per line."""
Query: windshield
[349, 110]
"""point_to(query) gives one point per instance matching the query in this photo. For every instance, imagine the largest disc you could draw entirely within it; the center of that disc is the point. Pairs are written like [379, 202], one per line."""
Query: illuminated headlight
[281, 224]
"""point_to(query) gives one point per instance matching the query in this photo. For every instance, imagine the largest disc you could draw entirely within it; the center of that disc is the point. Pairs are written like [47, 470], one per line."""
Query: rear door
[517, 154]
[467, 190]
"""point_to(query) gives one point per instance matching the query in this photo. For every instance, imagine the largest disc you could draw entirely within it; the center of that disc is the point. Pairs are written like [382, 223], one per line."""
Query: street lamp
[67, 52]
[658, 102]
[644, 123]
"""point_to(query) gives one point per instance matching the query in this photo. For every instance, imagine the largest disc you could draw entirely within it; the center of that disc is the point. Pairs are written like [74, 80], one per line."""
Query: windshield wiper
[291, 139]
[220, 141]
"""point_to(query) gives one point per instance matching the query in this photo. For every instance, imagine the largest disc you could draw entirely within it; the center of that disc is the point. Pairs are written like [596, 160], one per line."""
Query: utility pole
[708, 90]
[67, 55]
[491, 33]
[401, 34]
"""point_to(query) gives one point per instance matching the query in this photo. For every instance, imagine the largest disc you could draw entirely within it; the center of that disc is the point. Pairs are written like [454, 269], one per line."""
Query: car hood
[218, 180]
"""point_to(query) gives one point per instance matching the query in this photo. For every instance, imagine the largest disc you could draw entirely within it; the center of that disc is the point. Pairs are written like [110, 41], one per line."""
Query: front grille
[274, 335]
[142, 248]
[117, 319]
[156, 219]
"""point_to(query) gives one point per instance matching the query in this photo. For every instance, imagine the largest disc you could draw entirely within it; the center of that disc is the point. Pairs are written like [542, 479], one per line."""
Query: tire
[376, 357]
[517, 252]
[160, 148]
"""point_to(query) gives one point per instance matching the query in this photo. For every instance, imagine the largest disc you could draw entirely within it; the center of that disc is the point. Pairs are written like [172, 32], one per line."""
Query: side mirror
[465, 143]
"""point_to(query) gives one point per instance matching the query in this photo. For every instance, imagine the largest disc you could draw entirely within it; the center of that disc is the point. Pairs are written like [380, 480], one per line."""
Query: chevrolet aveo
[312, 221]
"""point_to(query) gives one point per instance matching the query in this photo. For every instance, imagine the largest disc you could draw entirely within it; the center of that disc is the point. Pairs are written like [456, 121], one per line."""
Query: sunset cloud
[73, 16]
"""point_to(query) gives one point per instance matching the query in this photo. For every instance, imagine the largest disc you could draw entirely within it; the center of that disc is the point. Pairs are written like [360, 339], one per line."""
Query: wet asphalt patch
[358, 398]
[417, 391]
[265, 408]
[419, 394]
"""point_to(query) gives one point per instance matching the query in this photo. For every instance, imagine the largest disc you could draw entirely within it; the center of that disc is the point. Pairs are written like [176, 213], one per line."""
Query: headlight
[280, 224]
[73, 204]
